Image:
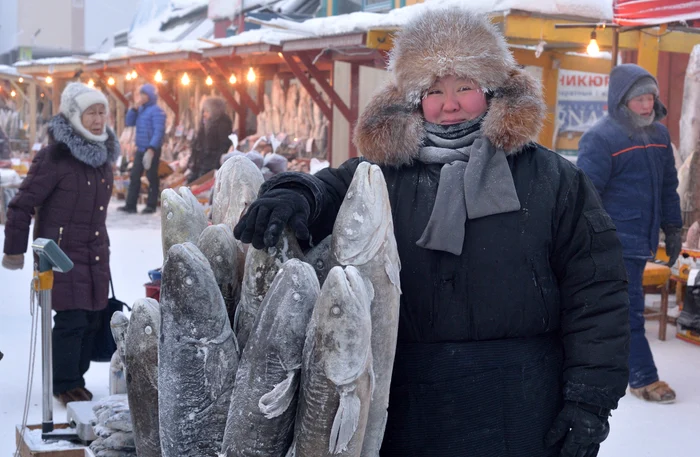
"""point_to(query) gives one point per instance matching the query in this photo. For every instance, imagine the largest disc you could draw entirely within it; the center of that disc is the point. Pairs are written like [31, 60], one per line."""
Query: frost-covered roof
[52, 61]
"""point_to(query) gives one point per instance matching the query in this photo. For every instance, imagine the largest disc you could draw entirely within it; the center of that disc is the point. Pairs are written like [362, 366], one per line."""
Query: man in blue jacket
[149, 119]
[629, 158]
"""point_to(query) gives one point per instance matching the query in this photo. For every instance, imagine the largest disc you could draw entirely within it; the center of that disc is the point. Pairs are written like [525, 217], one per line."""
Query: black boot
[148, 210]
[127, 209]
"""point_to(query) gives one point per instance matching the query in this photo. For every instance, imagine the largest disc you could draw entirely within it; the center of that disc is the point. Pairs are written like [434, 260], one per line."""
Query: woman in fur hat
[70, 184]
[212, 139]
[513, 333]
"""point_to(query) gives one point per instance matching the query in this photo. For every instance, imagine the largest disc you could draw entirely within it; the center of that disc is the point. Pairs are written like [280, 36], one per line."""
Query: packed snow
[638, 429]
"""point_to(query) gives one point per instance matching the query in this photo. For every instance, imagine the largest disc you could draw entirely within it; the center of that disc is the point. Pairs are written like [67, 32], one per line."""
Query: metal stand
[50, 257]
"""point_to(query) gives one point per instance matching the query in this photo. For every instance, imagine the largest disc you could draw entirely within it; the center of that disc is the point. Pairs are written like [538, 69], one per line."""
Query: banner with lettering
[582, 99]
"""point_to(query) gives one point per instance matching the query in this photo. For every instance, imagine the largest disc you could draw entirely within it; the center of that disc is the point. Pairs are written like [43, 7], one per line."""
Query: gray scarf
[475, 181]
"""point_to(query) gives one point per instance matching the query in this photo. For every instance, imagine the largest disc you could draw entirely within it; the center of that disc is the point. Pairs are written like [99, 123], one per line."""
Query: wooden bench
[656, 278]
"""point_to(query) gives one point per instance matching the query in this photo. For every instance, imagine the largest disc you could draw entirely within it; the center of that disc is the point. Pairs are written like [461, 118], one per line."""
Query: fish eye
[188, 281]
[148, 330]
[336, 311]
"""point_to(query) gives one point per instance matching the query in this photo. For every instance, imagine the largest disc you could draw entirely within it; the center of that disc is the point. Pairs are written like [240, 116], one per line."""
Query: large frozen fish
[182, 218]
[363, 236]
[197, 357]
[321, 258]
[261, 267]
[264, 401]
[142, 379]
[223, 253]
[336, 370]
[119, 324]
[237, 184]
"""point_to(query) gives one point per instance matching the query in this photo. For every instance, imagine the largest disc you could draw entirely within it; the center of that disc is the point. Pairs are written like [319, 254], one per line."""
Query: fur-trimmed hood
[440, 43]
[89, 152]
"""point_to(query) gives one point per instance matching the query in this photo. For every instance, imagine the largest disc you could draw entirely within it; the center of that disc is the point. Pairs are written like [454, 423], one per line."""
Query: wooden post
[550, 80]
[32, 115]
[121, 110]
[56, 89]
[354, 105]
[648, 52]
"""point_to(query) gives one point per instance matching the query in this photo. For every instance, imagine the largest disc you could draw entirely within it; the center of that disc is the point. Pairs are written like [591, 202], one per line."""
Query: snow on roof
[263, 35]
[148, 31]
[7, 70]
[363, 21]
[52, 61]
[226, 9]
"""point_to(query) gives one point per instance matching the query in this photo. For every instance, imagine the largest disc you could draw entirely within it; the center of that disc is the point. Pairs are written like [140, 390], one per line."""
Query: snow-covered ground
[638, 429]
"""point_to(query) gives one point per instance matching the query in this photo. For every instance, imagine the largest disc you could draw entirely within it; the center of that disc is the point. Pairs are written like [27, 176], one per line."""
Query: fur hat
[75, 99]
[644, 85]
[449, 42]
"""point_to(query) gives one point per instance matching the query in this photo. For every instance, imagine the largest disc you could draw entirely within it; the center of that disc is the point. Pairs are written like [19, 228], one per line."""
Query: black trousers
[73, 339]
[135, 180]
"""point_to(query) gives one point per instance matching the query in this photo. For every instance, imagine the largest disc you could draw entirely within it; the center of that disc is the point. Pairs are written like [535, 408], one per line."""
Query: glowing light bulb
[134, 75]
[110, 81]
[185, 79]
[593, 49]
[91, 83]
[251, 75]
[280, 55]
[21, 79]
[209, 81]
[49, 80]
[128, 76]
[13, 94]
[233, 79]
[158, 77]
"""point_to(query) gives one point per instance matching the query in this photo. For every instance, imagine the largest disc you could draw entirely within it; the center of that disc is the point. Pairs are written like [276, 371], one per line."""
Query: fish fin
[237, 317]
[392, 270]
[370, 289]
[372, 380]
[277, 401]
[292, 452]
[346, 421]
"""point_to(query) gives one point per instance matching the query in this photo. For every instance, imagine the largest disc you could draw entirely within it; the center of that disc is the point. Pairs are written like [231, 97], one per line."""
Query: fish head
[219, 247]
[344, 324]
[145, 318]
[182, 217]
[118, 320]
[364, 218]
[190, 292]
[239, 181]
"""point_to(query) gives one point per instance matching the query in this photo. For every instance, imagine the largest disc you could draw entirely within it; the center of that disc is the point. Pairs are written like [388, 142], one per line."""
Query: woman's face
[94, 118]
[452, 100]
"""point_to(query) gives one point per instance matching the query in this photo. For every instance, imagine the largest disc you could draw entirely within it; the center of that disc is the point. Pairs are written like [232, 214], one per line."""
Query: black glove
[267, 217]
[673, 243]
[582, 427]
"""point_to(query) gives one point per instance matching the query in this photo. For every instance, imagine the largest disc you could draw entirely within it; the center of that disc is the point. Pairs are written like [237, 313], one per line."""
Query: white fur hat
[75, 99]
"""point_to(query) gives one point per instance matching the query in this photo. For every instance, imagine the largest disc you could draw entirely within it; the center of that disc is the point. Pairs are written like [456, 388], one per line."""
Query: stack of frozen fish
[275, 352]
[113, 427]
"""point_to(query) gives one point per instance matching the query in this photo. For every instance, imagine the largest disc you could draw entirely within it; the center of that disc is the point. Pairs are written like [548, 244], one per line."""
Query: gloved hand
[582, 427]
[673, 243]
[13, 262]
[148, 158]
[267, 217]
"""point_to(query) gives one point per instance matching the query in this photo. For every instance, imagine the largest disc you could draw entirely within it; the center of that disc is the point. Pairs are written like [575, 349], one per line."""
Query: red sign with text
[654, 12]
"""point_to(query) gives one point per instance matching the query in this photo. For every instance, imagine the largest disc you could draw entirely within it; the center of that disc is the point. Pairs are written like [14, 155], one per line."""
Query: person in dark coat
[212, 140]
[149, 120]
[67, 190]
[4, 145]
[513, 334]
[629, 157]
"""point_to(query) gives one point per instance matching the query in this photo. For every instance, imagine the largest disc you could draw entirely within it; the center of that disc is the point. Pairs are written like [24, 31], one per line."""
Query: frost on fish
[264, 401]
[142, 379]
[363, 236]
[119, 324]
[197, 356]
[337, 377]
[260, 269]
[237, 184]
[320, 257]
[182, 218]
[222, 251]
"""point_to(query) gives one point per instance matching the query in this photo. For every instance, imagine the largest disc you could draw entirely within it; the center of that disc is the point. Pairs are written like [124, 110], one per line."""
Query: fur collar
[390, 130]
[94, 154]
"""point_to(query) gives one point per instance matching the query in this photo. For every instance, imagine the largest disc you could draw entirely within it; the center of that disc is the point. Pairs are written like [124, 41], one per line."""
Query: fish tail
[346, 421]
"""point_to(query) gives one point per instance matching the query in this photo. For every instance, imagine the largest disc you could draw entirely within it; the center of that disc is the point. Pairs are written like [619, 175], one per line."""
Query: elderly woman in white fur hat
[513, 333]
[67, 191]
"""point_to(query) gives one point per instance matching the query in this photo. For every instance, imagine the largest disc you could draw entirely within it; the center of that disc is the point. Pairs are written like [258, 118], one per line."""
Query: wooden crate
[27, 447]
